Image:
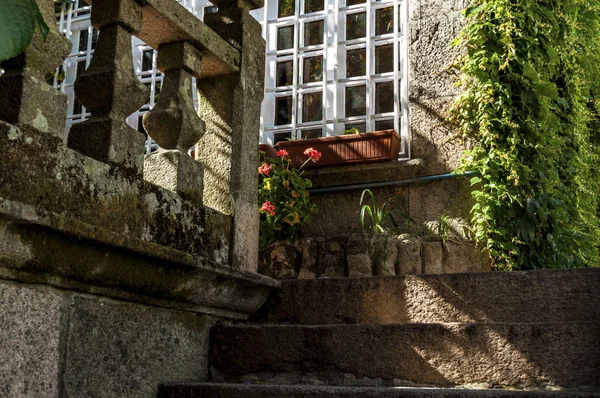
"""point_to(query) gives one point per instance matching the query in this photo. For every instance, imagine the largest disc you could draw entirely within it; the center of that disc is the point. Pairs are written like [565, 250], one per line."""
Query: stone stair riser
[516, 355]
[535, 296]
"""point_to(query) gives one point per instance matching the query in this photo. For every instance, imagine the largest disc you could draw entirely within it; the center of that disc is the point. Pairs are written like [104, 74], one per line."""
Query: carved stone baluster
[110, 89]
[25, 97]
[174, 124]
[230, 106]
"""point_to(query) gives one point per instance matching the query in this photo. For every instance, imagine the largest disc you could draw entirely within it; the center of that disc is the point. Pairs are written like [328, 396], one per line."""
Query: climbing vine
[531, 105]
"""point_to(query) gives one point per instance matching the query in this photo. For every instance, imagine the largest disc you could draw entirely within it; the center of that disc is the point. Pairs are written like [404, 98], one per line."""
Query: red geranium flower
[283, 153]
[313, 154]
[267, 207]
[264, 169]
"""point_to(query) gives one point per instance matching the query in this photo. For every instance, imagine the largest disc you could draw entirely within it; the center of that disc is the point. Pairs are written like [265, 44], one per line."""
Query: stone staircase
[521, 334]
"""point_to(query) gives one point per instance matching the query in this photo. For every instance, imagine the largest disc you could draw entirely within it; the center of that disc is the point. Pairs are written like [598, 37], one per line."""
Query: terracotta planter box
[269, 151]
[379, 146]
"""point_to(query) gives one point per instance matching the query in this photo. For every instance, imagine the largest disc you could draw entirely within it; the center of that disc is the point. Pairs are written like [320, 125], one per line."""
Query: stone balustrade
[98, 215]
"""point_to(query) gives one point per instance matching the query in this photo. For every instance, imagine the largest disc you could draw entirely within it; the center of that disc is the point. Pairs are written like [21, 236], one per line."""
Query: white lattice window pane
[286, 8]
[283, 110]
[384, 97]
[313, 6]
[147, 56]
[384, 125]
[384, 21]
[285, 73]
[77, 107]
[83, 40]
[312, 107]
[285, 37]
[384, 58]
[312, 133]
[356, 25]
[313, 69]
[285, 136]
[354, 2]
[356, 101]
[356, 62]
[313, 33]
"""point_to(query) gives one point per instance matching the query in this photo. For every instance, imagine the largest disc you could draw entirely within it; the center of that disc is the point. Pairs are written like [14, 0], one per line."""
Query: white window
[333, 65]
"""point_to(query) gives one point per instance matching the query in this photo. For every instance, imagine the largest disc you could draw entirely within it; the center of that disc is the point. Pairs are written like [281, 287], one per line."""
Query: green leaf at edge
[18, 20]
[530, 73]
[547, 90]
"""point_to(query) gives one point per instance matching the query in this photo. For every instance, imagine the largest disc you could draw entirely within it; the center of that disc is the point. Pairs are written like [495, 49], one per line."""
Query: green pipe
[339, 188]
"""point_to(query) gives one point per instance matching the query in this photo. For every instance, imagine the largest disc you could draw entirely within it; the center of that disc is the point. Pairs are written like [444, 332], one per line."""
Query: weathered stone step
[517, 355]
[264, 391]
[533, 296]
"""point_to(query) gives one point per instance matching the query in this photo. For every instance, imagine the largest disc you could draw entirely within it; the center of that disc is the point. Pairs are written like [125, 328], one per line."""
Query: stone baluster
[173, 123]
[26, 98]
[110, 89]
[230, 107]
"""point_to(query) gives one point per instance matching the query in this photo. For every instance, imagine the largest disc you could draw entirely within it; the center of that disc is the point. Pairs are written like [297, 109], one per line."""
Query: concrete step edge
[407, 325]
[216, 390]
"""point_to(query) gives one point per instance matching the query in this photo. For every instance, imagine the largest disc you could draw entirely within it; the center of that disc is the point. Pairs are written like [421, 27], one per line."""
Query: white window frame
[334, 81]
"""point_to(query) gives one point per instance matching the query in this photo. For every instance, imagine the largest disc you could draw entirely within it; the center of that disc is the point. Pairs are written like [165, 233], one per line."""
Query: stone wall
[416, 207]
[362, 256]
[433, 25]
[60, 343]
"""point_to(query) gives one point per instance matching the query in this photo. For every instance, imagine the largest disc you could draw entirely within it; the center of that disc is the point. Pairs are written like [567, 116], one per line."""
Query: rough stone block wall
[425, 204]
[60, 343]
[433, 25]
[364, 256]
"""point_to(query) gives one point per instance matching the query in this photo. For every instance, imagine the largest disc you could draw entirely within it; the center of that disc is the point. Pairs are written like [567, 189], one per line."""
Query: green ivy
[531, 105]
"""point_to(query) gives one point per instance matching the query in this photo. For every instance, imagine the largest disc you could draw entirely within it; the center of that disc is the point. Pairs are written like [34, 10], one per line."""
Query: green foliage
[283, 188]
[377, 215]
[531, 104]
[352, 130]
[443, 228]
[60, 77]
[18, 20]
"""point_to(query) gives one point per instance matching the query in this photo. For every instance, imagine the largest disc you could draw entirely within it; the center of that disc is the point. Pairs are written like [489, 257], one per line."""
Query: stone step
[268, 391]
[532, 296]
[565, 354]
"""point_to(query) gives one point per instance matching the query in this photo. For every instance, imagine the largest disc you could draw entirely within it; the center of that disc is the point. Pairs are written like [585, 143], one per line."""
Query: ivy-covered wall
[531, 105]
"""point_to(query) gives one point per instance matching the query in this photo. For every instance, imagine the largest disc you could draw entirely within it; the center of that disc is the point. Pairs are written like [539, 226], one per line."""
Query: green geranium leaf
[18, 20]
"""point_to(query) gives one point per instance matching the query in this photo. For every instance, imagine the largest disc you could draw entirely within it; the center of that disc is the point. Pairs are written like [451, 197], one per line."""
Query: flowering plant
[283, 198]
